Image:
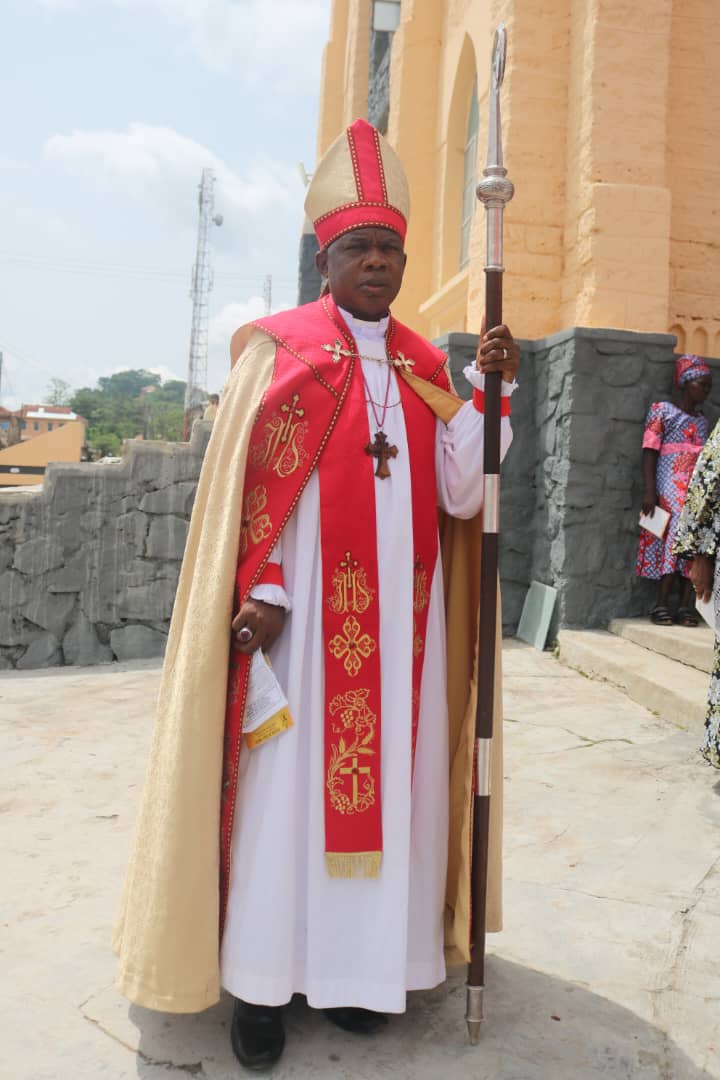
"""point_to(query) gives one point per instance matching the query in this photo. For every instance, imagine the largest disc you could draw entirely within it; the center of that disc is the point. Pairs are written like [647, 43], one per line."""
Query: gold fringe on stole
[274, 725]
[353, 864]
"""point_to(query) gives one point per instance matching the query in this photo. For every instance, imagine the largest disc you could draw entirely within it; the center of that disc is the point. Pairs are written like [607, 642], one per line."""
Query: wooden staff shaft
[495, 190]
[486, 649]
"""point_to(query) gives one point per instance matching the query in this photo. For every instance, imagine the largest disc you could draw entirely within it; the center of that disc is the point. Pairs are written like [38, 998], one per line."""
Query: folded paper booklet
[266, 712]
[656, 523]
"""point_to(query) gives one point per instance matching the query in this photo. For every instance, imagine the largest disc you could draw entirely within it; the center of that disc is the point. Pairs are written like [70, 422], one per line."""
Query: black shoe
[359, 1021]
[257, 1035]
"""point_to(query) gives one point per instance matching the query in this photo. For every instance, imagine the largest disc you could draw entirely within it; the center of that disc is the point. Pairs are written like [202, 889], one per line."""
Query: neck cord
[379, 420]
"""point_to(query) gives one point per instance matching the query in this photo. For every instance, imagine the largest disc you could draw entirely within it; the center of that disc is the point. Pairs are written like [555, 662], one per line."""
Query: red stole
[314, 416]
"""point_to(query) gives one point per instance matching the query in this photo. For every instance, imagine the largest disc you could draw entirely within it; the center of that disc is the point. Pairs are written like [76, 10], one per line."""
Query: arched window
[469, 200]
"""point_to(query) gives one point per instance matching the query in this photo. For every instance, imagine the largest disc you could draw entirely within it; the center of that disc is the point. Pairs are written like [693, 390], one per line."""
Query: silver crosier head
[495, 190]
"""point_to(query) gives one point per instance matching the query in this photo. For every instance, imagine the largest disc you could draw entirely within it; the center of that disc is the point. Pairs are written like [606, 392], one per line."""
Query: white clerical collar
[365, 327]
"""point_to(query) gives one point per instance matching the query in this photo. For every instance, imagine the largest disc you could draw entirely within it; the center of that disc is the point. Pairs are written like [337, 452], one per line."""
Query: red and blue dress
[678, 438]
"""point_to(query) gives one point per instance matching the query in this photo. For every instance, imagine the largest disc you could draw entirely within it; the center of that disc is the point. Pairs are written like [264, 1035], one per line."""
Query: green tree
[128, 384]
[130, 404]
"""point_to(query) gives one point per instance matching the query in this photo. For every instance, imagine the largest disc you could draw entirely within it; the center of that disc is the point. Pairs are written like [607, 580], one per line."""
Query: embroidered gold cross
[337, 350]
[403, 361]
[254, 525]
[356, 771]
[353, 647]
[292, 409]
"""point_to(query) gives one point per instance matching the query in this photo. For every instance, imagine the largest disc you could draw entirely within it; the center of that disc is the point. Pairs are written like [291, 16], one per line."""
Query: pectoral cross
[356, 771]
[380, 449]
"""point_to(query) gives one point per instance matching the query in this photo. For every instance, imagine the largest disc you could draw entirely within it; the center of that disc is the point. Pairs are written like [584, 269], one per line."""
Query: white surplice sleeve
[273, 594]
[459, 452]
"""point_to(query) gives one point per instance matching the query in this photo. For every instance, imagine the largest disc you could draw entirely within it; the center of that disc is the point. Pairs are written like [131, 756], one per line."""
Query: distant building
[40, 419]
[35, 436]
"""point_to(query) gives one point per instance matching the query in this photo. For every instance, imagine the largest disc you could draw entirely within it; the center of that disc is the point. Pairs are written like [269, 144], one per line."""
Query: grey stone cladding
[309, 280]
[378, 106]
[571, 482]
[89, 565]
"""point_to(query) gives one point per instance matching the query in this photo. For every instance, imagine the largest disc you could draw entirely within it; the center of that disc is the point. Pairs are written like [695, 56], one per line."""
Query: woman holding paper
[674, 436]
[697, 539]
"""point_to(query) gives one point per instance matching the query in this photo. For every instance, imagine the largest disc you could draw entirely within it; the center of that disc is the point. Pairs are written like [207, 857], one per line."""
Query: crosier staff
[494, 191]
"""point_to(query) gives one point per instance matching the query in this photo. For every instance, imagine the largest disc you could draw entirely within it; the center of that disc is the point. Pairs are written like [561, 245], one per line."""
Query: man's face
[364, 269]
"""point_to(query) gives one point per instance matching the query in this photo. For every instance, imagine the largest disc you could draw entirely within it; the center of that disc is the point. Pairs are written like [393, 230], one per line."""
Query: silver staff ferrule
[491, 503]
[483, 752]
[474, 1014]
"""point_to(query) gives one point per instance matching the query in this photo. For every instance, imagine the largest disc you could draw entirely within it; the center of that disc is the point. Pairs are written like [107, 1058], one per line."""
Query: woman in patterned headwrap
[674, 436]
[698, 539]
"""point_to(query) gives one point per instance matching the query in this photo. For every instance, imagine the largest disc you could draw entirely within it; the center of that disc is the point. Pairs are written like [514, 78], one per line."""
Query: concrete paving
[607, 967]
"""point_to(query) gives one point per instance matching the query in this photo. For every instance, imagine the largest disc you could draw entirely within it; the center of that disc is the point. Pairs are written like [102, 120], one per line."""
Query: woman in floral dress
[697, 539]
[674, 436]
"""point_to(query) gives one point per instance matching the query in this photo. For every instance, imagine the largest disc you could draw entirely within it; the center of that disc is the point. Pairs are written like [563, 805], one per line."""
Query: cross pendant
[380, 449]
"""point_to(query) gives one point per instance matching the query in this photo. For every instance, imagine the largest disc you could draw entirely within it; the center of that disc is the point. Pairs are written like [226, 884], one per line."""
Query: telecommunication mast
[201, 284]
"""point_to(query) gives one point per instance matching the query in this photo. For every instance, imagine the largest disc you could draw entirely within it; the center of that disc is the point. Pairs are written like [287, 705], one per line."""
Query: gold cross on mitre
[337, 350]
[356, 771]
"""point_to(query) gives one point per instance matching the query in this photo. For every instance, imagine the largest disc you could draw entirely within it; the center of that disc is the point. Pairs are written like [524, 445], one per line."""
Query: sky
[110, 111]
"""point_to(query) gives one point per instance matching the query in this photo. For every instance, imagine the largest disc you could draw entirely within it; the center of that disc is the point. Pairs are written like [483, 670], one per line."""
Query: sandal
[661, 616]
[687, 617]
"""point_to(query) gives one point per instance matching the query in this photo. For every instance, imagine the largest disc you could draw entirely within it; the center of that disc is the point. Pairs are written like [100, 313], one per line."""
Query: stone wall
[517, 490]
[572, 480]
[89, 565]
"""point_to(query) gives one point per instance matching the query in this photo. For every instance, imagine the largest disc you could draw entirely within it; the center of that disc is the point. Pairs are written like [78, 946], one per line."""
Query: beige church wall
[535, 118]
[332, 80]
[436, 289]
[693, 139]
[415, 59]
[447, 307]
[345, 70]
[617, 234]
[610, 117]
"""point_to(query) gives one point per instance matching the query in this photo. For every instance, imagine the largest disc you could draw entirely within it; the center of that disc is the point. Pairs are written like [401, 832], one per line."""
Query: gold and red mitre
[359, 183]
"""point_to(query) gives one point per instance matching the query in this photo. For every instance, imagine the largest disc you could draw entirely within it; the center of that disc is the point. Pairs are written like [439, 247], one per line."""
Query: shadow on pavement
[538, 1027]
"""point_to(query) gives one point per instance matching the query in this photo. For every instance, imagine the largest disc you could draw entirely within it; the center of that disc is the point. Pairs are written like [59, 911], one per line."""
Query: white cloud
[161, 165]
[261, 41]
[226, 322]
[166, 373]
